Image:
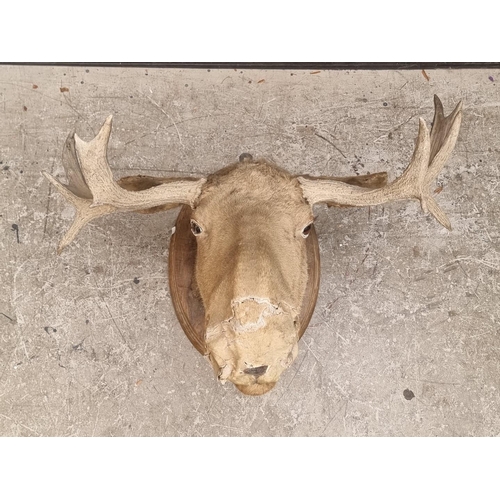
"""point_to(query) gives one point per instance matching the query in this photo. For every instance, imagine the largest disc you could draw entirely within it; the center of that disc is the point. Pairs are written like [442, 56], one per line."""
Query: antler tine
[98, 175]
[444, 135]
[76, 181]
[430, 155]
[77, 193]
[85, 212]
[93, 192]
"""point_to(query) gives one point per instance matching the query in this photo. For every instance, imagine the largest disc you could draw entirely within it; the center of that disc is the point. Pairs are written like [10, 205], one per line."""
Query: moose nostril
[257, 371]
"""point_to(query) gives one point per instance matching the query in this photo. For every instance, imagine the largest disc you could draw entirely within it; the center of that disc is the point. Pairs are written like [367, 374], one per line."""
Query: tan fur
[251, 269]
[251, 265]
[252, 249]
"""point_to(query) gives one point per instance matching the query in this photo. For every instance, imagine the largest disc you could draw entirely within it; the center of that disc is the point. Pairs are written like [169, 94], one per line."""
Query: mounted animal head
[251, 221]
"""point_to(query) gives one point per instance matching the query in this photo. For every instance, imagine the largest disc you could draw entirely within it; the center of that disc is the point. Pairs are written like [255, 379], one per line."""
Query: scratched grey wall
[405, 339]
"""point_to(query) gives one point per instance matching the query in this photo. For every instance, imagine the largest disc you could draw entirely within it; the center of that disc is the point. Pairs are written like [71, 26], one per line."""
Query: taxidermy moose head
[244, 261]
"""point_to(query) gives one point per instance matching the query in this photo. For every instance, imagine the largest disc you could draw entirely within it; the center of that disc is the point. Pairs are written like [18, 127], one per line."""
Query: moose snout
[256, 371]
[254, 345]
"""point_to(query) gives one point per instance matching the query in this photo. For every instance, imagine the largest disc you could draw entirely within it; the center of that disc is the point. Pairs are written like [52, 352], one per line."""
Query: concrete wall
[405, 339]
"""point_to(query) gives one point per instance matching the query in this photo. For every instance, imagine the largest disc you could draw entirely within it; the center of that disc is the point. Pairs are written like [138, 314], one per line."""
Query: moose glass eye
[306, 231]
[195, 228]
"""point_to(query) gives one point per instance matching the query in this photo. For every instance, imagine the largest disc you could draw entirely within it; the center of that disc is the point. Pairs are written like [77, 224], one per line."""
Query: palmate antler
[430, 155]
[92, 190]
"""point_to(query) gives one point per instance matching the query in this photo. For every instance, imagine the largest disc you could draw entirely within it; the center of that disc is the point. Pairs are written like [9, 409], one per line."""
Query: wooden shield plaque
[183, 290]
